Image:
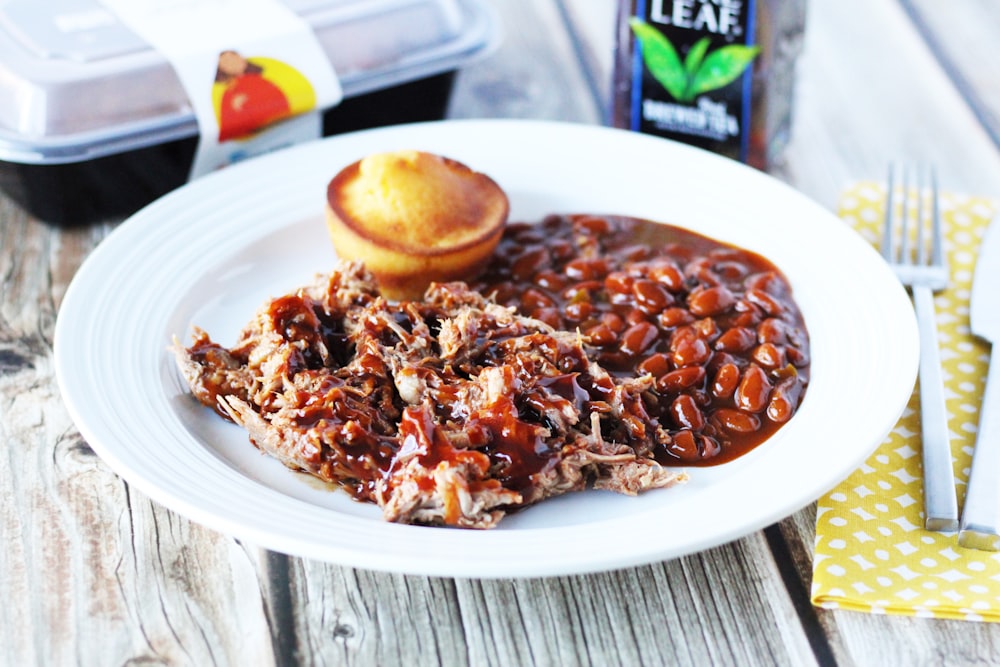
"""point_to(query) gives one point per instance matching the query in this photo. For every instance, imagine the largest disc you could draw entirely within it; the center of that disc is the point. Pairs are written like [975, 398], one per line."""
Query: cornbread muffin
[414, 218]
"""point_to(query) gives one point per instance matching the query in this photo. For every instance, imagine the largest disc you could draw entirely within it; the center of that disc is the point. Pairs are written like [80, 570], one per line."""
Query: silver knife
[980, 527]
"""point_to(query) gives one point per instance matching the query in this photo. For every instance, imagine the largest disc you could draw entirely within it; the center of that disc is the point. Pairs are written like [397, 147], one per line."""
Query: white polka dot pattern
[871, 552]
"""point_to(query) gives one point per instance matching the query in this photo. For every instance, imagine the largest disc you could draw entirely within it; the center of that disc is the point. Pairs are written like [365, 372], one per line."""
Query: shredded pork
[449, 411]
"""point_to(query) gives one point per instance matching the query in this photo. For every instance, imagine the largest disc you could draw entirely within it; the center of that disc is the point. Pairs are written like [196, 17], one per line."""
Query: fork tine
[888, 251]
[938, 256]
[925, 224]
[904, 220]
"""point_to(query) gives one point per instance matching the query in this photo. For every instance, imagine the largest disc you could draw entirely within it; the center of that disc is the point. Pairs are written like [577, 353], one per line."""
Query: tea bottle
[717, 74]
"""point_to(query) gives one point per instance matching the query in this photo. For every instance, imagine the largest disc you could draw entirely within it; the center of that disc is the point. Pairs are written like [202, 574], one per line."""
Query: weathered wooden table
[94, 573]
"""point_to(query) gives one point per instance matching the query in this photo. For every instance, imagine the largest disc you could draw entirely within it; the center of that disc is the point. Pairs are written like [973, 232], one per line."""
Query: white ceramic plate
[210, 253]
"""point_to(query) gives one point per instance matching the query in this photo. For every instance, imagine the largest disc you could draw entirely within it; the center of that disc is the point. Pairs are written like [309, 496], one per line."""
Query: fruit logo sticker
[251, 93]
[700, 71]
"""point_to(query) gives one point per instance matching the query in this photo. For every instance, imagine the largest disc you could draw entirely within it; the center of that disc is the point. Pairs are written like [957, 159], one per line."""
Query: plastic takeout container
[94, 123]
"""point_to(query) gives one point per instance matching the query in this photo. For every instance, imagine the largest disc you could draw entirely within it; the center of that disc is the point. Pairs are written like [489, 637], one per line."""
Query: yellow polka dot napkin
[872, 553]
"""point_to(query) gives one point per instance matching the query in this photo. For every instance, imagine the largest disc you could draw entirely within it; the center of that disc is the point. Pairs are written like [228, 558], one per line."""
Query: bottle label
[692, 71]
[256, 75]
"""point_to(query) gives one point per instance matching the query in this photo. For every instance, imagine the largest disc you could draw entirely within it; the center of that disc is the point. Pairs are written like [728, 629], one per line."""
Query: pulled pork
[449, 411]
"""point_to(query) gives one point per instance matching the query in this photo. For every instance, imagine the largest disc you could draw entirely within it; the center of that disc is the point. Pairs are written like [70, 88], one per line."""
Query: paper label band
[255, 73]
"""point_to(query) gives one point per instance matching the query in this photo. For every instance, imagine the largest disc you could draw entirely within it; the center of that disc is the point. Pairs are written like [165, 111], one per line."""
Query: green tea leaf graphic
[695, 55]
[661, 58]
[721, 67]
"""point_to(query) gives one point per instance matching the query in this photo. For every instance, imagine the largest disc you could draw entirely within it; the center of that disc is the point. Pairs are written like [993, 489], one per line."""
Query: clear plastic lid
[76, 84]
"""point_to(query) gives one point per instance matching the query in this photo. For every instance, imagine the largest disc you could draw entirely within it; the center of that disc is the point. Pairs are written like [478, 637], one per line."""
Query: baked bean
[561, 250]
[586, 269]
[736, 421]
[637, 338]
[650, 297]
[655, 364]
[619, 286]
[680, 379]
[719, 359]
[688, 348]
[684, 446]
[579, 310]
[637, 269]
[528, 235]
[601, 334]
[731, 270]
[530, 262]
[597, 226]
[797, 337]
[768, 281]
[534, 298]
[614, 359]
[772, 330]
[634, 316]
[737, 339]
[797, 357]
[726, 380]
[550, 316]
[503, 292]
[634, 253]
[747, 314]
[709, 448]
[769, 355]
[550, 280]
[701, 270]
[710, 301]
[668, 274]
[768, 303]
[707, 328]
[613, 321]
[581, 291]
[675, 317]
[784, 399]
[686, 413]
[753, 391]
[691, 448]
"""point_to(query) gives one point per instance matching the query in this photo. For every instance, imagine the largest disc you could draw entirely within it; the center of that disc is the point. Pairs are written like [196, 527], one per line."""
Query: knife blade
[980, 526]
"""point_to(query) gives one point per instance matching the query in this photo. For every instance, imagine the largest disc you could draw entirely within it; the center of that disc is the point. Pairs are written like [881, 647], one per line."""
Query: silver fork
[916, 254]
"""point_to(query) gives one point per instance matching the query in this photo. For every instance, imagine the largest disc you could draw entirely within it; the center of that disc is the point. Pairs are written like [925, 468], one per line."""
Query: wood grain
[95, 573]
[684, 611]
[964, 42]
[870, 92]
[533, 74]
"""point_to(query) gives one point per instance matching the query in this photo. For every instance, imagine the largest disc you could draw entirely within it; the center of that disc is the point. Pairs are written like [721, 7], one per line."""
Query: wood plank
[592, 25]
[963, 38]
[533, 74]
[95, 573]
[693, 610]
[869, 92]
[344, 616]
